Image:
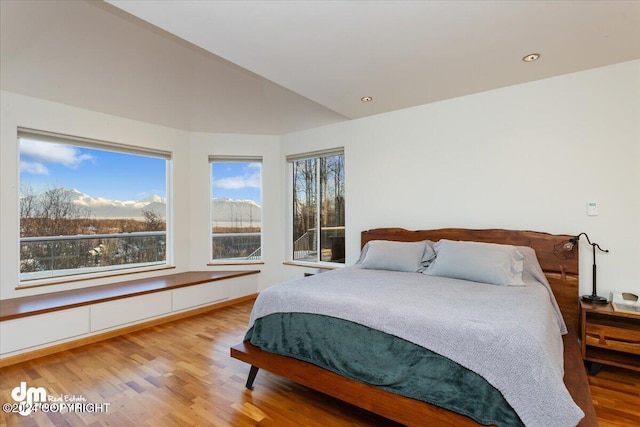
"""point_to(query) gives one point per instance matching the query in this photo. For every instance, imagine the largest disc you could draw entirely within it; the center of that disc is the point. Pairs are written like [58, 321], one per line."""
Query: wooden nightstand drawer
[610, 337]
[613, 338]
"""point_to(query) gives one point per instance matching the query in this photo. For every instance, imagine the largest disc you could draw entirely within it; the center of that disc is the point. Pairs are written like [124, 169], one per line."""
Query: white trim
[315, 154]
[290, 196]
[56, 138]
[233, 159]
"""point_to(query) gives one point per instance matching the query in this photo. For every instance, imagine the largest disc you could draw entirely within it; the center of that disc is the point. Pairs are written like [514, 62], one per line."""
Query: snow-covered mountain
[106, 208]
[235, 212]
[227, 211]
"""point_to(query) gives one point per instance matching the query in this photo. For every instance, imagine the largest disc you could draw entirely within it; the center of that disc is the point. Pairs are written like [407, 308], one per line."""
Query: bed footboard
[402, 409]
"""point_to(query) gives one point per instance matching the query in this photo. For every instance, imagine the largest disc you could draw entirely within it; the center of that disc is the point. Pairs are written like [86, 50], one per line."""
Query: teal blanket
[385, 361]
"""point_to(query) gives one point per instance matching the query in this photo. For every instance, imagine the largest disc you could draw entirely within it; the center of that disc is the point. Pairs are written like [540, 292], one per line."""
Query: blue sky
[237, 180]
[98, 173]
[121, 176]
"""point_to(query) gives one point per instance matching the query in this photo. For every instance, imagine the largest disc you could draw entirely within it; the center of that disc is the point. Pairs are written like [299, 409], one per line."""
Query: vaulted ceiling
[274, 67]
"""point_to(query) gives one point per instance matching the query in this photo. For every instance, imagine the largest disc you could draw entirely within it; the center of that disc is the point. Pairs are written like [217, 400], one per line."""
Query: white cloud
[33, 168]
[238, 182]
[45, 152]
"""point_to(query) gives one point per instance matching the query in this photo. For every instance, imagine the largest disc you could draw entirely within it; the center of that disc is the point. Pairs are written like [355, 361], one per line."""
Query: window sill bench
[38, 304]
[40, 325]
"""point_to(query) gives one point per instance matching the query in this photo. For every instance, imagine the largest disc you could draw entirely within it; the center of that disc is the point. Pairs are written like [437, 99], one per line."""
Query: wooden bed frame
[561, 272]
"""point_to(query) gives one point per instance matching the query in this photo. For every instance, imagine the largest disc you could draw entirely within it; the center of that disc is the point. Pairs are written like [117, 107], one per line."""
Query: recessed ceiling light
[366, 99]
[531, 57]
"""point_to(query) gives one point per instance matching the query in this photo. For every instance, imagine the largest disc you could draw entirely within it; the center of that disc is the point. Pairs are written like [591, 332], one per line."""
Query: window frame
[234, 159]
[290, 199]
[108, 271]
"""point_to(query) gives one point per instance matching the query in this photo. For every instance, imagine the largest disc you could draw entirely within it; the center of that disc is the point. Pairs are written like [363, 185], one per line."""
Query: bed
[321, 362]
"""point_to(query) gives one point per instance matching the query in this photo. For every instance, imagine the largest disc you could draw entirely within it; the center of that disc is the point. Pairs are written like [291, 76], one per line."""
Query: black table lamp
[568, 247]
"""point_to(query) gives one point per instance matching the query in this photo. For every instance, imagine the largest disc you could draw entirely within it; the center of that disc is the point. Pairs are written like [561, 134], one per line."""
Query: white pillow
[479, 262]
[396, 256]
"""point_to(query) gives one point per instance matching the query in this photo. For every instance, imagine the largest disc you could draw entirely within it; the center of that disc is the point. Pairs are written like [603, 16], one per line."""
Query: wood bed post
[252, 376]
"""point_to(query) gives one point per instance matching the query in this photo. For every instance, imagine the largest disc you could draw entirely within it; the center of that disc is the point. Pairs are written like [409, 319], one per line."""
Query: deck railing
[236, 246]
[52, 256]
[305, 247]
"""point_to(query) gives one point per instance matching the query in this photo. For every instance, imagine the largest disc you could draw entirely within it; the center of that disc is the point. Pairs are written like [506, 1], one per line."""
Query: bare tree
[28, 206]
[304, 182]
[153, 220]
[51, 213]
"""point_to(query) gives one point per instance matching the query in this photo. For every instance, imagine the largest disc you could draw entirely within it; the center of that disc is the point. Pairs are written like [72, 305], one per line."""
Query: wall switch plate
[592, 208]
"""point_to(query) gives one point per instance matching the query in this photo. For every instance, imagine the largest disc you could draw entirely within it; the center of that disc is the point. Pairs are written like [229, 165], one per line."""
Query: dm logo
[29, 395]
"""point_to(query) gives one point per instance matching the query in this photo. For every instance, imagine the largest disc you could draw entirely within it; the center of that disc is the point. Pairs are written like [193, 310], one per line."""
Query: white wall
[22, 111]
[523, 157]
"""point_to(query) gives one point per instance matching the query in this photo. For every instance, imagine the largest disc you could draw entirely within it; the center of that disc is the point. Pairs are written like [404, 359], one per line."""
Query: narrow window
[318, 225]
[236, 209]
[89, 207]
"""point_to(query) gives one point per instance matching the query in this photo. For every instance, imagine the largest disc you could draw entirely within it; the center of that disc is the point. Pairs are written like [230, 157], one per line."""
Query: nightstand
[609, 337]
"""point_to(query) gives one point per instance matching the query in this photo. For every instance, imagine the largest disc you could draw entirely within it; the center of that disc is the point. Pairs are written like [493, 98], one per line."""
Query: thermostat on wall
[592, 208]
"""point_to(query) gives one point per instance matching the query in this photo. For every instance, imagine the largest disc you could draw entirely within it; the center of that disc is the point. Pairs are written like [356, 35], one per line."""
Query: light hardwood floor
[180, 374]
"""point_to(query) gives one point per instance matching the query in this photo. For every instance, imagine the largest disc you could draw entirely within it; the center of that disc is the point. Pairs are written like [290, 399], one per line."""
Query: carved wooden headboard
[561, 272]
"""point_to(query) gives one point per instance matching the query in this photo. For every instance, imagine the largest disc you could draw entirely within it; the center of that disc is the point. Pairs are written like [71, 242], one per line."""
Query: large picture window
[89, 207]
[318, 208]
[236, 209]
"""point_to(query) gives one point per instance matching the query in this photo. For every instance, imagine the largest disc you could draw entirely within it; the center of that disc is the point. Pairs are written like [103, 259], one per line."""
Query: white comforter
[511, 336]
